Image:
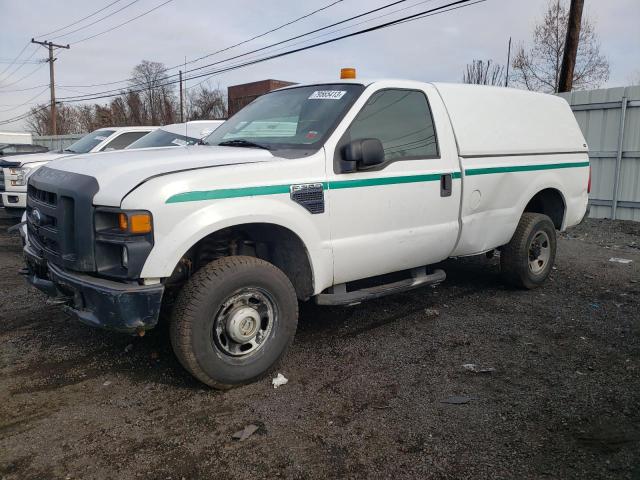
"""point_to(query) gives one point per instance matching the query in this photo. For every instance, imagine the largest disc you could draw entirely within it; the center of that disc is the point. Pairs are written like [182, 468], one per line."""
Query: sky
[436, 48]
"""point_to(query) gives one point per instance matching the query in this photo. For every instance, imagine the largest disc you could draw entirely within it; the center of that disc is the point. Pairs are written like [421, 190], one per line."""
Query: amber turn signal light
[135, 222]
[122, 222]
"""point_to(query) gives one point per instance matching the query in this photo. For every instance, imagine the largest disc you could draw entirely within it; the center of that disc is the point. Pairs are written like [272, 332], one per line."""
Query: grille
[2, 187]
[43, 220]
[43, 196]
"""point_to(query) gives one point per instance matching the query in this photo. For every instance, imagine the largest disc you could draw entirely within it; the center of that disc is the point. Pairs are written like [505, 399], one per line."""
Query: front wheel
[233, 321]
[526, 261]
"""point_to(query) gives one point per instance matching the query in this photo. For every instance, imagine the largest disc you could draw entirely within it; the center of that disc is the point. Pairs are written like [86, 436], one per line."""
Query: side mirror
[365, 152]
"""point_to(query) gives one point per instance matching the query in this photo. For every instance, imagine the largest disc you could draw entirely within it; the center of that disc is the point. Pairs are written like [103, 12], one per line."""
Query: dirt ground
[366, 384]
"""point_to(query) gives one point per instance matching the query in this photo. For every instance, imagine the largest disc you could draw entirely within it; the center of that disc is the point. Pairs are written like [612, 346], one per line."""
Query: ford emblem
[36, 216]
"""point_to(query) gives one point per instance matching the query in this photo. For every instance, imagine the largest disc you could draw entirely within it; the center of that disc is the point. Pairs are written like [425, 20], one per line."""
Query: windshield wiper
[242, 143]
[69, 150]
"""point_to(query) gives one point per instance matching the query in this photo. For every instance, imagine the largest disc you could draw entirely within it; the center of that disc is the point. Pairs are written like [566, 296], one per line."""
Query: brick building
[241, 95]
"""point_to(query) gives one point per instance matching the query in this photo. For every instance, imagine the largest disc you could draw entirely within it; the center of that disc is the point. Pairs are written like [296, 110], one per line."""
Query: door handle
[446, 185]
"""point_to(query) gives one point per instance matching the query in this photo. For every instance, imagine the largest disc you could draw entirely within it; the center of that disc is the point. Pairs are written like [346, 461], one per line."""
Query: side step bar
[340, 296]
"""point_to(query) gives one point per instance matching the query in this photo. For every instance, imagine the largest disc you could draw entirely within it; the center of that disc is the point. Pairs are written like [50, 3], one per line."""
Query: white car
[177, 134]
[14, 171]
[338, 191]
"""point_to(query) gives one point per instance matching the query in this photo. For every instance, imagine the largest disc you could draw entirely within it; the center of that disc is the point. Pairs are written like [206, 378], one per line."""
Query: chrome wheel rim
[539, 252]
[244, 322]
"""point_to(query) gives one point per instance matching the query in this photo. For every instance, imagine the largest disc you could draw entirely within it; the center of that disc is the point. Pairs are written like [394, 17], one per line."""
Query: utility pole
[565, 82]
[506, 78]
[52, 86]
[181, 108]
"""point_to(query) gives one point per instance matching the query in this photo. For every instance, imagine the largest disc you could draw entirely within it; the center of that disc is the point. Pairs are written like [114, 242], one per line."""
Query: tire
[220, 307]
[535, 235]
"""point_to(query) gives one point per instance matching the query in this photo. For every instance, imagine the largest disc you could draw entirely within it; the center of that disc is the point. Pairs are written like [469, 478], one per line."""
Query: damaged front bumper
[123, 307]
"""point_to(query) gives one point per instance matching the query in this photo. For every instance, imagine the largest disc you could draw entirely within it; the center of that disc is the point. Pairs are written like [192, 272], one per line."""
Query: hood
[120, 172]
[37, 157]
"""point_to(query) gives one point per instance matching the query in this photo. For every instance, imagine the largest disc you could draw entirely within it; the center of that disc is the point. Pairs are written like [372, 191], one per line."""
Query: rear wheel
[526, 261]
[233, 321]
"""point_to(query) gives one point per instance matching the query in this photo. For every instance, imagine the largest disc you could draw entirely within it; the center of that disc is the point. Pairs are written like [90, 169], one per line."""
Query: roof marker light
[347, 73]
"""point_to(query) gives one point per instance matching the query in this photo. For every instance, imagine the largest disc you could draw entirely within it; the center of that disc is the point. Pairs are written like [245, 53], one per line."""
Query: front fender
[179, 226]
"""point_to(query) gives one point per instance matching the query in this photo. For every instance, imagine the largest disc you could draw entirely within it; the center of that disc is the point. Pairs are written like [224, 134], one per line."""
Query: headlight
[20, 175]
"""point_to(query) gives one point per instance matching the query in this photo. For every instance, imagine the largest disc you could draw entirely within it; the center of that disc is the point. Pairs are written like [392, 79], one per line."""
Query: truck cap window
[295, 118]
[88, 142]
[163, 138]
[401, 120]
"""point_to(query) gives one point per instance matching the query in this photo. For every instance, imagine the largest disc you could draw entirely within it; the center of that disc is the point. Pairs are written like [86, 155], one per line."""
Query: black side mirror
[365, 152]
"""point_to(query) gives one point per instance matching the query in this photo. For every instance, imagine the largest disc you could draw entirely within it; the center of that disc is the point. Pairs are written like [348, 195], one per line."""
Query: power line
[253, 51]
[15, 59]
[28, 102]
[13, 72]
[333, 31]
[22, 78]
[427, 13]
[95, 21]
[35, 87]
[219, 51]
[420, 15]
[77, 21]
[123, 23]
[23, 116]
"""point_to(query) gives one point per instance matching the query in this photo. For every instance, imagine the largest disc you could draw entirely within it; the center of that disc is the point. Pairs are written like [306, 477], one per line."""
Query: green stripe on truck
[524, 168]
[275, 189]
[357, 183]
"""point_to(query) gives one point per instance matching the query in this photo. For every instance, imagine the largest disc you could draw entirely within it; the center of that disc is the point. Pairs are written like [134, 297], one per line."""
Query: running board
[340, 296]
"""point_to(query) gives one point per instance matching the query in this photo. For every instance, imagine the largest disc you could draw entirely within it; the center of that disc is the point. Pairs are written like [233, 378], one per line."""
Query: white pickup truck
[15, 170]
[339, 192]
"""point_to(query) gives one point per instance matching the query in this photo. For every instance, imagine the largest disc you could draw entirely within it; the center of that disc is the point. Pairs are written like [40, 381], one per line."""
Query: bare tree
[538, 67]
[158, 98]
[39, 120]
[206, 103]
[484, 72]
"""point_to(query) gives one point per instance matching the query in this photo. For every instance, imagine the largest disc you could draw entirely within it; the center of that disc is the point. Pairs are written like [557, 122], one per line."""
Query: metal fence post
[616, 182]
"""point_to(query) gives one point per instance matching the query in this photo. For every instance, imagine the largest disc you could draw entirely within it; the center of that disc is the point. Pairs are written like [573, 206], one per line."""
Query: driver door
[402, 213]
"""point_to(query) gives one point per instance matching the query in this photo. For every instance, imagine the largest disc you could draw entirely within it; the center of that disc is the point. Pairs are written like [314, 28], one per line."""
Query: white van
[361, 188]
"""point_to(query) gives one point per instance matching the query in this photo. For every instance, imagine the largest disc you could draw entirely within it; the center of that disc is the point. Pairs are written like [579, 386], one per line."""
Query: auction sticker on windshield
[327, 95]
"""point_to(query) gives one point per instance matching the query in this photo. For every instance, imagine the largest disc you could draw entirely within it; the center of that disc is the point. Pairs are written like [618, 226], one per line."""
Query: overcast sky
[431, 49]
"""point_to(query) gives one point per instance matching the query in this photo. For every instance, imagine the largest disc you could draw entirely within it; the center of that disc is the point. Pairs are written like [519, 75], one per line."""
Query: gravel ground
[366, 384]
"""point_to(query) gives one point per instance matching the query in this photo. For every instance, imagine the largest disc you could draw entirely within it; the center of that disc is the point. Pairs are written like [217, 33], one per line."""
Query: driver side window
[402, 121]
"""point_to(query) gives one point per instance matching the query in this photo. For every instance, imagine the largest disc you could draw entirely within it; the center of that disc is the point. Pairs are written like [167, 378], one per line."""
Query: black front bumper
[122, 307]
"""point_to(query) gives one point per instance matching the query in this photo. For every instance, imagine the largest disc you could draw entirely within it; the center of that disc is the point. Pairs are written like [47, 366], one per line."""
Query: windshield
[294, 118]
[88, 142]
[163, 138]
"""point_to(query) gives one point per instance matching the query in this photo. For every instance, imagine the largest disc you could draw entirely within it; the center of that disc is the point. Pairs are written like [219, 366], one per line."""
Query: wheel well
[273, 243]
[550, 203]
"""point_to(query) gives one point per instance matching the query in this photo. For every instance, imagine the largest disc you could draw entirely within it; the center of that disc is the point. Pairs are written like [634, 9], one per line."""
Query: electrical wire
[123, 23]
[35, 87]
[28, 102]
[77, 21]
[15, 59]
[430, 12]
[332, 32]
[95, 21]
[22, 78]
[420, 15]
[254, 51]
[219, 51]
[13, 72]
